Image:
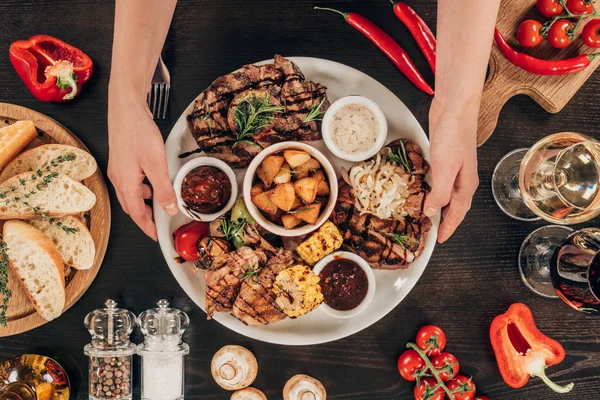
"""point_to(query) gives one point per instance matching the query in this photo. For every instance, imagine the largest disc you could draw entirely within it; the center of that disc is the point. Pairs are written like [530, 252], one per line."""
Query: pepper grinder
[162, 352]
[110, 352]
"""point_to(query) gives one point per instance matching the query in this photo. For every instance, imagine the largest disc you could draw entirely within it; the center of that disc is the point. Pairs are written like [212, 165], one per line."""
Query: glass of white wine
[558, 179]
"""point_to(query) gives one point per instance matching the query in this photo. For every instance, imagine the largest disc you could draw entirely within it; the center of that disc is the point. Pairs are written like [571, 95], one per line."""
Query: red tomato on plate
[560, 33]
[447, 365]
[186, 239]
[431, 340]
[580, 7]
[591, 33]
[425, 390]
[409, 363]
[549, 8]
[528, 33]
[462, 387]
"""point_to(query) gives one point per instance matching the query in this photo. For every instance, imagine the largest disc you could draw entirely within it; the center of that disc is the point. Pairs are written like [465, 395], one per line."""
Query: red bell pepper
[51, 69]
[522, 350]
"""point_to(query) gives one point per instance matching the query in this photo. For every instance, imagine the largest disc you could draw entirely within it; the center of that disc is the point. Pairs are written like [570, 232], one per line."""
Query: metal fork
[158, 94]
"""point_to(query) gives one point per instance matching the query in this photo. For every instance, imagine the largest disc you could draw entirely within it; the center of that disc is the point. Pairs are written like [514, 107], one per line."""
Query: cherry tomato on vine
[560, 33]
[187, 237]
[446, 364]
[481, 398]
[425, 390]
[591, 33]
[410, 364]
[549, 8]
[431, 340]
[462, 387]
[580, 7]
[528, 33]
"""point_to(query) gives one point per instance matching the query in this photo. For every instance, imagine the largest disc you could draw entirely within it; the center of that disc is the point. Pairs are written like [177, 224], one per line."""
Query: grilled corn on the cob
[323, 242]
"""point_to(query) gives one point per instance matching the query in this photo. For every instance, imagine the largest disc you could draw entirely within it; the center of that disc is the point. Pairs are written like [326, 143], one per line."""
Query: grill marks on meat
[255, 304]
[284, 80]
[373, 238]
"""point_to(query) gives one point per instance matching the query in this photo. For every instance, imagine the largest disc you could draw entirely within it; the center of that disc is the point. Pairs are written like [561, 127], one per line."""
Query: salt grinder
[162, 352]
[110, 352]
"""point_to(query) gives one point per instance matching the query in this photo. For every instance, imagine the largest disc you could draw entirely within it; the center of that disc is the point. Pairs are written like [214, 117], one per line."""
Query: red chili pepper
[386, 44]
[419, 30]
[522, 350]
[539, 66]
[51, 69]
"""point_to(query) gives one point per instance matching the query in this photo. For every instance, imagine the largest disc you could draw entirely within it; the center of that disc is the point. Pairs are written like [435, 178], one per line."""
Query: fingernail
[429, 211]
[171, 208]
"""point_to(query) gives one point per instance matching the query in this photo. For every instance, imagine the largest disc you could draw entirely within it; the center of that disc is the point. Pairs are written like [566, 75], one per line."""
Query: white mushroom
[304, 387]
[234, 367]
[248, 394]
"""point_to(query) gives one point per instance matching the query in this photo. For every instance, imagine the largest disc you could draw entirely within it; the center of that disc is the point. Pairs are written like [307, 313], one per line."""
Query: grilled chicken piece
[224, 279]
[255, 304]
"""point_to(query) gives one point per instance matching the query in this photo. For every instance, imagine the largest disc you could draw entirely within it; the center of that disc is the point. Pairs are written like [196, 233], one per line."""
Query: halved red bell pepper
[522, 350]
[51, 69]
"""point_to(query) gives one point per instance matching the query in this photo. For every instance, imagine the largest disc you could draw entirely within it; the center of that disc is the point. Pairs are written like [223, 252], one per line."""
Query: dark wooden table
[470, 279]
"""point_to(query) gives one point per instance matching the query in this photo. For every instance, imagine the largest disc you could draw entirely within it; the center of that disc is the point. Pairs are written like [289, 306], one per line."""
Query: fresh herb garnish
[298, 210]
[402, 240]
[400, 157]
[253, 115]
[230, 229]
[67, 229]
[5, 292]
[315, 113]
[251, 272]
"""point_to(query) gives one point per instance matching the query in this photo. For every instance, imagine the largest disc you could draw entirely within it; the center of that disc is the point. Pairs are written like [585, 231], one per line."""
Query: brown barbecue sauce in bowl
[206, 189]
[344, 284]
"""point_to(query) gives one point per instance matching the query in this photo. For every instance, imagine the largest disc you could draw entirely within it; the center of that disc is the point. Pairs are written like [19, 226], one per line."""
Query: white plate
[392, 286]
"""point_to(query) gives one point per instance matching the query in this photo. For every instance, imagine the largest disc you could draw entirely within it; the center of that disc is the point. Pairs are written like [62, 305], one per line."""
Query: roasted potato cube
[303, 170]
[309, 213]
[322, 189]
[290, 221]
[284, 175]
[296, 157]
[269, 168]
[306, 189]
[319, 174]
[263, 203]
[256, 189]
[283, 196]
[297, 203]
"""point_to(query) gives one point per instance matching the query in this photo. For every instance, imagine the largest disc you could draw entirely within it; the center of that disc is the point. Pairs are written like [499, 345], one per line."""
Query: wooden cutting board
[21, 314]
[506, 80]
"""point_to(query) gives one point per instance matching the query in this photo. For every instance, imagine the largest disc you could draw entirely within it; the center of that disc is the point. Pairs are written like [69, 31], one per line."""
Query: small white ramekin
[258, 215]
[370, 278]
[200, 162]
[334, 108]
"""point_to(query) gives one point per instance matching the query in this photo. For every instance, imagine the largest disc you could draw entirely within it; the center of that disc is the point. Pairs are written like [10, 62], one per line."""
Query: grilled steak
[374, 238]
[255, 305]
[284, 83]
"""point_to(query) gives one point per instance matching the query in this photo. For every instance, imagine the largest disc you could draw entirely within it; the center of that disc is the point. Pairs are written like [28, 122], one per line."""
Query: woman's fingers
[444, 176]
[158, 175]
[146, 192]
[141, 214]
[454, 215]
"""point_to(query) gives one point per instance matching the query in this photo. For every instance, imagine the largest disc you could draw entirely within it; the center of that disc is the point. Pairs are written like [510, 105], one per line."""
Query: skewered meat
[256, 305]
[284, 83]
[224, 279]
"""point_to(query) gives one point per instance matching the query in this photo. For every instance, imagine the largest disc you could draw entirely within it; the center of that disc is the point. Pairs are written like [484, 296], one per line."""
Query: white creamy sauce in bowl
[354, 129]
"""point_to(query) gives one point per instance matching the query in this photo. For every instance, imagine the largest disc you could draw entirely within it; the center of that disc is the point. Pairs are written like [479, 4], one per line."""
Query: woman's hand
[137, 151]
[453, 135]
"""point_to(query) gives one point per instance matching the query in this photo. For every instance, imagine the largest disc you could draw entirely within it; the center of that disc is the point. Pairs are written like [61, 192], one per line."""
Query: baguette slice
[14, 138]
[76, 248]
[38, 264]
[62, 196]
[81, 167]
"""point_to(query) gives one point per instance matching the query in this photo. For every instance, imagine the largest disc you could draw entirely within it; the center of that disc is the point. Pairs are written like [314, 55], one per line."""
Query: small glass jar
[110, 352]
[162, 352]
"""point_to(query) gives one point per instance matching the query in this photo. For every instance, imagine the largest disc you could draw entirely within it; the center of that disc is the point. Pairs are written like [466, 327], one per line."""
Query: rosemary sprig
[253, 115]
[251, 272]
[230, 229]
[5, 292]
[298, 210]
[402, 240]
[400, 157]
[67, 229]
[315, 113]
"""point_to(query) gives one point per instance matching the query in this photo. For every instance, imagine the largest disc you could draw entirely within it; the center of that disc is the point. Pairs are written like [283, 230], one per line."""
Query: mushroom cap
[248, 394]
[234, 367]
[304, 387]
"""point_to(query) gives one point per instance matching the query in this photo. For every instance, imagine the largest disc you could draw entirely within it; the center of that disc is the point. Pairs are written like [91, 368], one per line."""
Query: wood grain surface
[506, 80]
[21, 314]
[470, 279]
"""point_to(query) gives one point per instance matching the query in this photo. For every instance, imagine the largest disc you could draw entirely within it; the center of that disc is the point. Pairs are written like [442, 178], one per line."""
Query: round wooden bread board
[21, 315]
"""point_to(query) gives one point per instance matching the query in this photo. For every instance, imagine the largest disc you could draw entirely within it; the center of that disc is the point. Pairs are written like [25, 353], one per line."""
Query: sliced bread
[38, 264]
[71, 237]
[77, 164]
[51, 194]
[14, 138]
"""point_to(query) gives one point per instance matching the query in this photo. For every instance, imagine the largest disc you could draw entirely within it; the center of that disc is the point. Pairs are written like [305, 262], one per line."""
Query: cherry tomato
[187, 237]
[560, 34]
[580, 7]
[482, 398]
[431, 339]
[591, 33]
[528, 33]
[410, 364]
[447, 365]
[549, 8]
[462, 387]
[425, 390]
